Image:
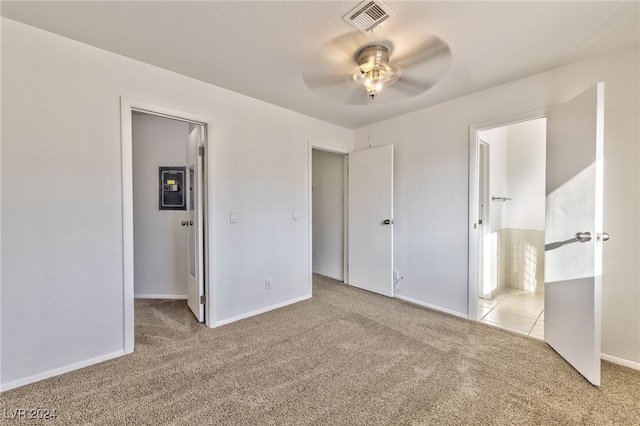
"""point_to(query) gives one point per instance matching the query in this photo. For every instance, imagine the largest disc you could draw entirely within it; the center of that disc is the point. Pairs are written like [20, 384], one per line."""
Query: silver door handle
[602, 237]
[583, 237]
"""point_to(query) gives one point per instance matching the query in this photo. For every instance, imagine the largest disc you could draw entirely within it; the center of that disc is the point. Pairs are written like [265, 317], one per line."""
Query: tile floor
[516, 310]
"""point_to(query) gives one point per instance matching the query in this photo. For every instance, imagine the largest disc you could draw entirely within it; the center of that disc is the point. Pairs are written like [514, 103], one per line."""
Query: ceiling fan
[388, 66]
[374, 69]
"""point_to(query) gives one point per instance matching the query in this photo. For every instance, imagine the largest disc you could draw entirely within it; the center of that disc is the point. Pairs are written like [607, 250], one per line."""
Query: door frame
[196, 191]
[345, 229]
[127, 106]
[474, 251]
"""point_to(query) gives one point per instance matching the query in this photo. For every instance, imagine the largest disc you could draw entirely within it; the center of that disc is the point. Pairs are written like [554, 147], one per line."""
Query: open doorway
[366, 236]
[573, 228]
[328, 214]
[511, 211]
[168, 209]
[207, 296]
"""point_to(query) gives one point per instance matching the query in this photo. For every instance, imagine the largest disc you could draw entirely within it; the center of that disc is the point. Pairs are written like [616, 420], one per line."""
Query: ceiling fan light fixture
[372, 82]
[374, 69]
[373, 90]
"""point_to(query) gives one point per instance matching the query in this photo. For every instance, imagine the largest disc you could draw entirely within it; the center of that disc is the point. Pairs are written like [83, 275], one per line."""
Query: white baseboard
[59, 371]
[621, 361]
[427, 305]
[161, 296]
[260, 311]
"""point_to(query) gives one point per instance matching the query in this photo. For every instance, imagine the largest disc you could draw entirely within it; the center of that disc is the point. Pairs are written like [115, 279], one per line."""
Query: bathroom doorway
[511, 211]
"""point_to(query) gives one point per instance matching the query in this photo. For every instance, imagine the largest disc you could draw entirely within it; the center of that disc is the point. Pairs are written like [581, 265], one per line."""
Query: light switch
[232, 217]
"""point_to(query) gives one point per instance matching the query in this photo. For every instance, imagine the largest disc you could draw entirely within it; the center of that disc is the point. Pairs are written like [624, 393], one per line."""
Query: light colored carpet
[344, 357]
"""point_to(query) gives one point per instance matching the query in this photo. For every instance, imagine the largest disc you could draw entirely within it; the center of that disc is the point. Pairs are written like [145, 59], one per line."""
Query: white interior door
[574, 205]
[195, 258]
[371, 219]
[486, 242]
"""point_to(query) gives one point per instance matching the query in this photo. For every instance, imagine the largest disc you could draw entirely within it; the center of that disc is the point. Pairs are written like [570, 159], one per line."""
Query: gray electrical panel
[172, 195]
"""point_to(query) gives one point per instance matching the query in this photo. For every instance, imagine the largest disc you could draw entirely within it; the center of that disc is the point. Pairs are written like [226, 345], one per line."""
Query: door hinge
[201, 151]
[203, 299]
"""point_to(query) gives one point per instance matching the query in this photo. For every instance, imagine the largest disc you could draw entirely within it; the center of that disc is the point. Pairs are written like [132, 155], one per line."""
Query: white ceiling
[261, 48]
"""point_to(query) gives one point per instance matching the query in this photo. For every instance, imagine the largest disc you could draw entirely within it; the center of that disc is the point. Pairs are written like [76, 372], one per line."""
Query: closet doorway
[328, 213]
[207, 292]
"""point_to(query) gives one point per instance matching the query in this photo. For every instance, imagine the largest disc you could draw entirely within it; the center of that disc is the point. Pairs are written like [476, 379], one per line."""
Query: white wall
[160, 241]
[431, 187]
[517, 171]
[328, 214]
[62, 269]
[526, 157]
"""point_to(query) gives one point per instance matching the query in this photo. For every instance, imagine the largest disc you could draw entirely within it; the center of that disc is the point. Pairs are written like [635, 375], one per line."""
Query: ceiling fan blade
[338, 89]
[328, 70]
[336, 57]
[346, 45]
[413, 86]
[430, 52]
[316, 81]
[422, 66]
[359, 97]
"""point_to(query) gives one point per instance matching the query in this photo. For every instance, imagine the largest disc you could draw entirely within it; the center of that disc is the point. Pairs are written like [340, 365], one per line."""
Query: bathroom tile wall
[521, 259]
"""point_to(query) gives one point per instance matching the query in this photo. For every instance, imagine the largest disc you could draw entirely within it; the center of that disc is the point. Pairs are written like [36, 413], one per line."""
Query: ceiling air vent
[368, 15]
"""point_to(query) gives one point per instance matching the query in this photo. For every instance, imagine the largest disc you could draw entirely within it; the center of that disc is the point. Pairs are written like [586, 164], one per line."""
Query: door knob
[602, 237]
[184, 223]
[583, 237]
[387, 222]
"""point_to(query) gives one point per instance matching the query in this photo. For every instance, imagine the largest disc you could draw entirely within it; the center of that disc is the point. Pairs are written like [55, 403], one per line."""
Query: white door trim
[337, 150]
[127, 106]
[474, 199]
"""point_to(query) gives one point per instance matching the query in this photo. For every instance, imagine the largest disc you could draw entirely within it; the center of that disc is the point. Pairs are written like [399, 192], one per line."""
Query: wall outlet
[267, 283]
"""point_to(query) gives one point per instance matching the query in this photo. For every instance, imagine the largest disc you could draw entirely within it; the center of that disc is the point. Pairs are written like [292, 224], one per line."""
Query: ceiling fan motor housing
[373, 57]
